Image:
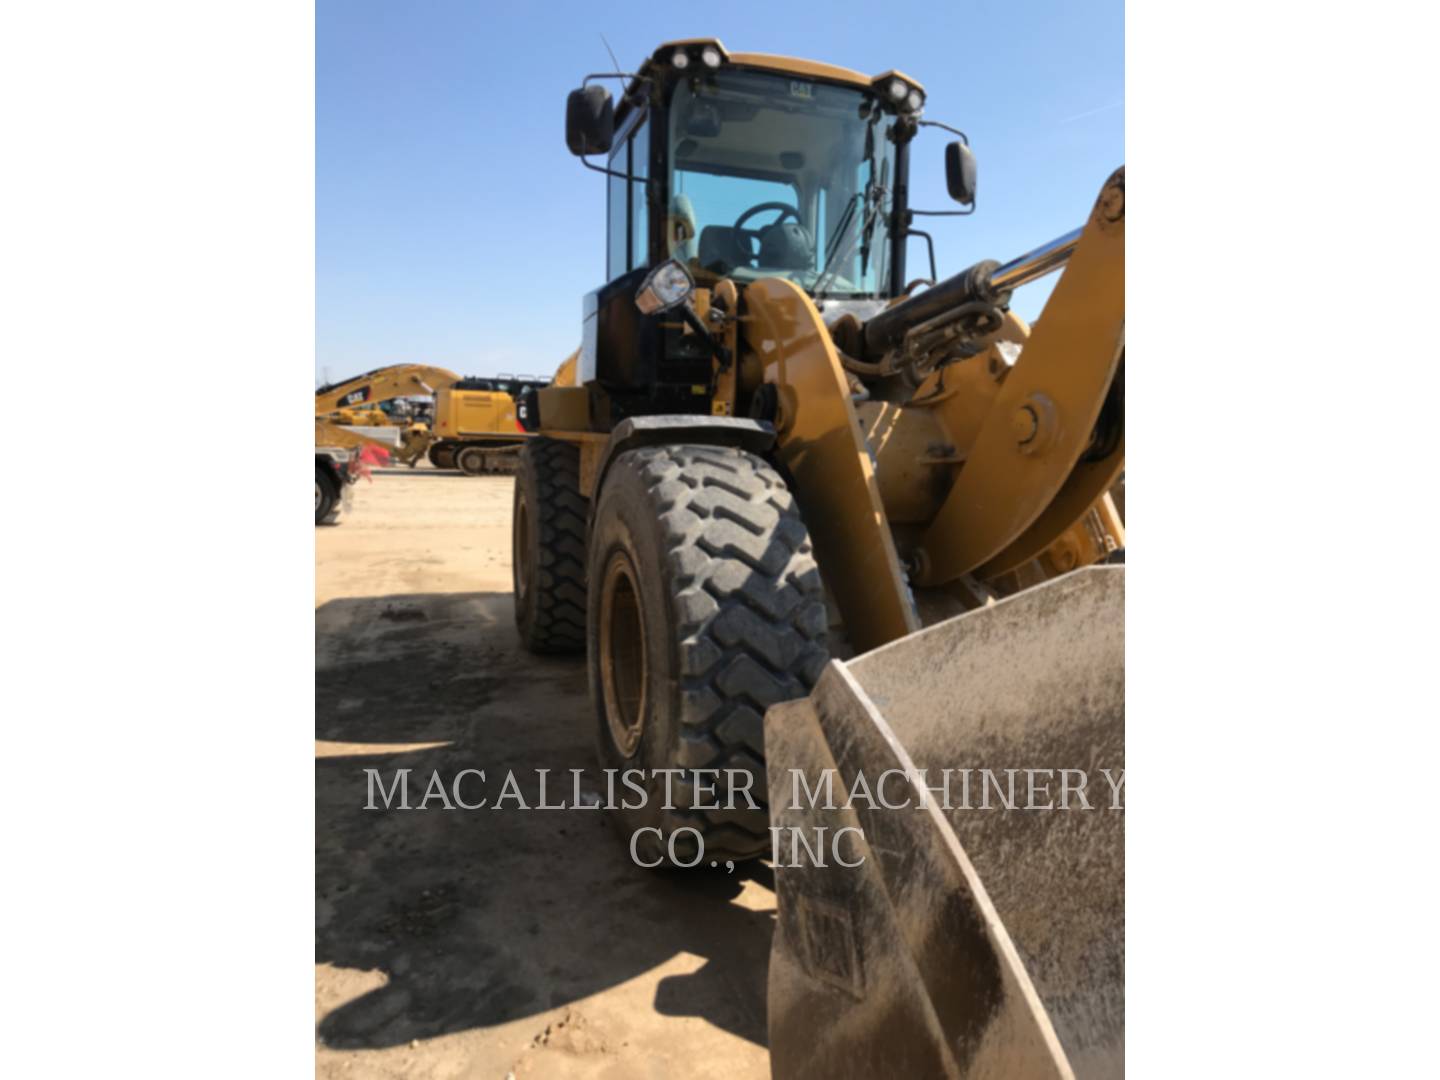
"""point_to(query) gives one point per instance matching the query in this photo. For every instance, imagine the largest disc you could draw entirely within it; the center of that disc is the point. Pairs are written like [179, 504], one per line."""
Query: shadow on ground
[483, 916]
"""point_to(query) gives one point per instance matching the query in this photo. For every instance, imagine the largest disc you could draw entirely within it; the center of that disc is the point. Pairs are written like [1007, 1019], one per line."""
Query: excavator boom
[382, 384]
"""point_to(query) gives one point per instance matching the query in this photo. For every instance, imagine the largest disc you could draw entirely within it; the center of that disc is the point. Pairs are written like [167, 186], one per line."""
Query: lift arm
[1035, 466]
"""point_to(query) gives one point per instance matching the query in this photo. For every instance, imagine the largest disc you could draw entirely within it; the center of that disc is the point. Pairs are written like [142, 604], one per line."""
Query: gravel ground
[455, 943]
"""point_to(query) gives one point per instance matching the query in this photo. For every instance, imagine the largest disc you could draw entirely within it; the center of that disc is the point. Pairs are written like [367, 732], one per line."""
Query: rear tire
[327, 497]
[706, 608]
[547, 544]
[442, 457]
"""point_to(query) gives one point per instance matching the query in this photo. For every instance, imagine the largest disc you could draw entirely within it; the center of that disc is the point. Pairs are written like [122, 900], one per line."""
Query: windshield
[776, 176]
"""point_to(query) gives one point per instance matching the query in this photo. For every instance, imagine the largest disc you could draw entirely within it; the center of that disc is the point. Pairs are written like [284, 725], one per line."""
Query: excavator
[474, 428]
[819, 524]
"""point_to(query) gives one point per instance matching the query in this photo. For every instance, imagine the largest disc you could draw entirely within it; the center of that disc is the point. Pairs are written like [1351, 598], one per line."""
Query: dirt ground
[484, 943]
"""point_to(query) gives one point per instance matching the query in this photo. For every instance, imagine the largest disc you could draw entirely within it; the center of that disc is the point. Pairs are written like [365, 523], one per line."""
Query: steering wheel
[786, 211]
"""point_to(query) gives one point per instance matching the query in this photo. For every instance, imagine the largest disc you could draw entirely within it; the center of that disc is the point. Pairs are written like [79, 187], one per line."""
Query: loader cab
[752, 166]
[740, 166]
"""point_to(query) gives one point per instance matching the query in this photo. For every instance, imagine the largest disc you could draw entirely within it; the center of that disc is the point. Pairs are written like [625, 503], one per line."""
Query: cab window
[627, 216]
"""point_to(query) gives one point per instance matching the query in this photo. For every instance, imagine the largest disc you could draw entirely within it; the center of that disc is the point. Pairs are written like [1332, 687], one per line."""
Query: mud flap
[973, 942]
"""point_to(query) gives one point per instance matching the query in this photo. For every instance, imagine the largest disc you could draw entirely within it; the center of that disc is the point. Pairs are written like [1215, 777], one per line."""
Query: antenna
[612, 55]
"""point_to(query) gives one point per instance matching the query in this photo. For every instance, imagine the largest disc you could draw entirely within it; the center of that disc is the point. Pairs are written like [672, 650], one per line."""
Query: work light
[668, 285]
[710, 56]
[680, 60]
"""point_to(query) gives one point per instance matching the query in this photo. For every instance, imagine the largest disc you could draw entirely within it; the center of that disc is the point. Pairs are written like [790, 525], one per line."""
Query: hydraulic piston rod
[983, 281]
[1035, 264]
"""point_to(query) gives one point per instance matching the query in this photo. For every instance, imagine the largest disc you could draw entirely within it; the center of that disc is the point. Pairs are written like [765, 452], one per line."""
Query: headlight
[710, 56]
[680, 60]
[898, 90]
[665, 287]
[915, 100]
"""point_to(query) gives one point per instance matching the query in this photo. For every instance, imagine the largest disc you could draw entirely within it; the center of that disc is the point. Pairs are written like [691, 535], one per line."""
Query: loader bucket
[970, 942]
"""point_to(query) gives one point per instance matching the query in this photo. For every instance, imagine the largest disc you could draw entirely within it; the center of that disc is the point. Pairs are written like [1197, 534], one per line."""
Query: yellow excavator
[474, 426]
[818, 521]
[476, 429]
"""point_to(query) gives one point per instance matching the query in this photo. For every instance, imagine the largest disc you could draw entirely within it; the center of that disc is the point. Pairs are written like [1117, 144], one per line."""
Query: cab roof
[791, 65]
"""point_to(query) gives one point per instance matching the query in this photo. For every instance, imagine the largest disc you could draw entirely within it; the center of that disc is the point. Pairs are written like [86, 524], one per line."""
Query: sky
[454, 228]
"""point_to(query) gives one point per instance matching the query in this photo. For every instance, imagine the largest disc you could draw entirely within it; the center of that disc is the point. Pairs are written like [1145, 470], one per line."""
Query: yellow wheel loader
[474, 426]
[816, 522]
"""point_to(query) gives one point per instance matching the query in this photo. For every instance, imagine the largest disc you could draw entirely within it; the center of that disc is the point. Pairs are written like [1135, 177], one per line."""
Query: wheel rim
[319, 496]
[520, 543]
[622, 654]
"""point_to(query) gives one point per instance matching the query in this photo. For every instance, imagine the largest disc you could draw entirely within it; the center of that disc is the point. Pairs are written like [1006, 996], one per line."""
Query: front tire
[706, 609]
[547, 545]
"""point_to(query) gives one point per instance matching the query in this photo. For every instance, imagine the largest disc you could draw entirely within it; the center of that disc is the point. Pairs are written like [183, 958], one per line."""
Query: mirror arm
[610, 75]
[945, 127]
[636, 81]
[611, 172]
[945, 213]
[930, 243]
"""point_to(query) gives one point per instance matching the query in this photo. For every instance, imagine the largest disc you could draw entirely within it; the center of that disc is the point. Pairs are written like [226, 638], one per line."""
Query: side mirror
[960, 172]
[589, 121]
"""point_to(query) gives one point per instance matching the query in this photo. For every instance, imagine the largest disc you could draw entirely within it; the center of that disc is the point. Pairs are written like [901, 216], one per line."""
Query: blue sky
[453, 227]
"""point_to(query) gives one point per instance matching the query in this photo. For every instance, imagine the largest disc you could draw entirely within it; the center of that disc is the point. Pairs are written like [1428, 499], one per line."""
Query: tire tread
[559, 515]
[750, 614]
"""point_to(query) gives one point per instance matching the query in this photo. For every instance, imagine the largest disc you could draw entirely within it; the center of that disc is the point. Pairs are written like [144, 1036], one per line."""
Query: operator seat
[722, 249]
[681, 229]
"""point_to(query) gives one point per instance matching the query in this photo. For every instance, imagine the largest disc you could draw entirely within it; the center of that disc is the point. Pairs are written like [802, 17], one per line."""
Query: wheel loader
[810, 513]
[474, 428]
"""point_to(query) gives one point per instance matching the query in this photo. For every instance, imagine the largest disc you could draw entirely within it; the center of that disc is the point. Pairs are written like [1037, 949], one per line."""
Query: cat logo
[802, 90]
[355, 396]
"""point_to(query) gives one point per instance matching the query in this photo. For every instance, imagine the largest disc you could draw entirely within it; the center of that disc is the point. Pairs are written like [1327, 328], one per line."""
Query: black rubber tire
[470, 460]
[327, 496]
[732, 617]
[549, 573]
[442, 457]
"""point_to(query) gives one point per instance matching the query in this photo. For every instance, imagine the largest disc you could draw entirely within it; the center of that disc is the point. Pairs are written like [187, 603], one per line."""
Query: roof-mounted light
[900, 91]
[688, 52]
